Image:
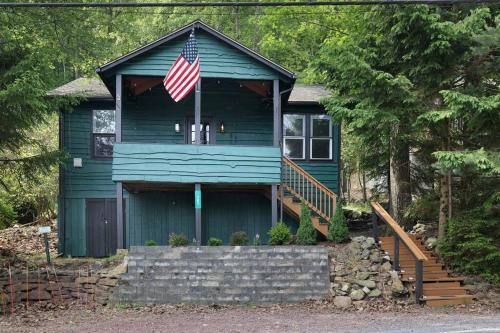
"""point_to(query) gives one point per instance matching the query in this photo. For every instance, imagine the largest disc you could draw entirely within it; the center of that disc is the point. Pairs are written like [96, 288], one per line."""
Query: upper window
[204, 133]
[321, 138]
[103, 133]
[294, 135]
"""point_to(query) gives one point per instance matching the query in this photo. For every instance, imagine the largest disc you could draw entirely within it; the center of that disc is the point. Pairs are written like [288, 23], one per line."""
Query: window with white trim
[294, 136]
[103, 133]
[320, 138]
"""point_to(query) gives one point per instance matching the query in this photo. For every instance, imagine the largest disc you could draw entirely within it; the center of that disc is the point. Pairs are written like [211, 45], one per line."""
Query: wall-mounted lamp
[221, 127]
[177, 127]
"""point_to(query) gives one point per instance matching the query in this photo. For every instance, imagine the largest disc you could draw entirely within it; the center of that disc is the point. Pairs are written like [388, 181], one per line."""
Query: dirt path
[245, 319]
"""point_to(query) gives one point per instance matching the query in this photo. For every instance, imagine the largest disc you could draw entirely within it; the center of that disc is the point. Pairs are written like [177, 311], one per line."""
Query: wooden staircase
[299, 187]
[439, 287]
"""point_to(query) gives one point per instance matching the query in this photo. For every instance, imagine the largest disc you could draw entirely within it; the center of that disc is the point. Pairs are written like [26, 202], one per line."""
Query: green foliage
[279, 234]
[423, 209]
[472, 244]
[238, 238]
[212, 241]
[306, 233]
[150, 242]
[7, 214]
[176, 240]
[337, 230]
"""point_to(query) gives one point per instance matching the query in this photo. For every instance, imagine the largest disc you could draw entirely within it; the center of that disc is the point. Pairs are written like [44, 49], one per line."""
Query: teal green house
[142, 166]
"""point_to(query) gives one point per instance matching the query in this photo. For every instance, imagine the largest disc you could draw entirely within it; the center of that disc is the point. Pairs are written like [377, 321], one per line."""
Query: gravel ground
[299, 318]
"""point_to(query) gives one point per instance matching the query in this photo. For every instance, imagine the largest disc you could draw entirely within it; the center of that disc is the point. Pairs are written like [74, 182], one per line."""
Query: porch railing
[379, 213]
[310, 191]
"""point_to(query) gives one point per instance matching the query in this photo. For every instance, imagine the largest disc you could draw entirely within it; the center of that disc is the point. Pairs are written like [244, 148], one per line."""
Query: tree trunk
[365, 196]
[443, 205]
[400, 171]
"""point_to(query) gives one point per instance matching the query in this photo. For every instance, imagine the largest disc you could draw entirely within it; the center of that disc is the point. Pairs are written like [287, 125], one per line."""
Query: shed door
[101, 227]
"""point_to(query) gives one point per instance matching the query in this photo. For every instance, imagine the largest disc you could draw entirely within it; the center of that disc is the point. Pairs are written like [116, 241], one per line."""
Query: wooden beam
[197, 188]
[276, 113]
[118, 111]
[274, 205]
[119, 186]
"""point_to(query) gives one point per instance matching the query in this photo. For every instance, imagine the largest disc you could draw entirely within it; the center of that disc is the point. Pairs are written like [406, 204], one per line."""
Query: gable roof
[198, 25]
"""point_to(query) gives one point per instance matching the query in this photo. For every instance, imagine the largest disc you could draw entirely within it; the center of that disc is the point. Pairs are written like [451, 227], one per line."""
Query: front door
[207, 132]
[101, 227]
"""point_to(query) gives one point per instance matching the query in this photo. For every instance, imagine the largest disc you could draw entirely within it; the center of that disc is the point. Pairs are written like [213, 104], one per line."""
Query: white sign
[77, 162]
[43, 230]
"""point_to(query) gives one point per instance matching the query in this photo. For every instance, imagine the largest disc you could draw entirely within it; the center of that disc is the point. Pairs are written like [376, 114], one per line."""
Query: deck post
[197, 140]
[375, 226]
[119, 185]
[276, 143]
[396, 253]
[419, 280]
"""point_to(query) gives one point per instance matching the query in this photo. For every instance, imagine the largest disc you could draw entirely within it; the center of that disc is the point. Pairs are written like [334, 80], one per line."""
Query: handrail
[400, 233]
[315, 195]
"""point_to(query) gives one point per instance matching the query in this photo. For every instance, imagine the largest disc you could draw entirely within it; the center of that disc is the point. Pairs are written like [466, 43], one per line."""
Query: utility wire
[241, 4]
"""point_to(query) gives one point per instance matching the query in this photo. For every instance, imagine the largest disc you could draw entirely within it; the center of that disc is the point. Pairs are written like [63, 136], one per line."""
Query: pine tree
[337, 230]
[306, 234]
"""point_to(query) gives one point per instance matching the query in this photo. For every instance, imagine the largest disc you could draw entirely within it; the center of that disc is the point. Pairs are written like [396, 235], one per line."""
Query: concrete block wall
[225, 274]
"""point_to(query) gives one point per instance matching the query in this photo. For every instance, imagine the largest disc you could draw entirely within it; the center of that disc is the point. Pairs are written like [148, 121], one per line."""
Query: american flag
[185, 72]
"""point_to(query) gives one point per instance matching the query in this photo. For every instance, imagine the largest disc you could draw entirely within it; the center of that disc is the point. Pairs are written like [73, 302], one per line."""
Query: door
[101, 227]
[207, 132]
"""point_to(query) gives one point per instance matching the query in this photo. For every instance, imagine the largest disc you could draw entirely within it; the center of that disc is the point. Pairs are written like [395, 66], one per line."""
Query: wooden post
[396, 253]
[119, 185]
[276, 143]
[197, 140]
[419, 280]
[375, 226]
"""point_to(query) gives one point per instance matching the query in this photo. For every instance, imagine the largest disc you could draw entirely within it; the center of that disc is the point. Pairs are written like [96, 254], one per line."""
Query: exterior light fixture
[177, 127]
[221, 127]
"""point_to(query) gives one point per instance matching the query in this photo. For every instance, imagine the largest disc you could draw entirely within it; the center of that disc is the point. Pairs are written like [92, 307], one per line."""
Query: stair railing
[310, 191]
[379, 213]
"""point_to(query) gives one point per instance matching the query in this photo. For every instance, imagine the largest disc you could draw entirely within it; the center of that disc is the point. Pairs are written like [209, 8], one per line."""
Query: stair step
[440, 285]
[444, 292]
[429, 279]
[447, 300]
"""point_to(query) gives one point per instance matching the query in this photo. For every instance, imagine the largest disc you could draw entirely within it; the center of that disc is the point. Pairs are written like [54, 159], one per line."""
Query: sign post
[45, 232]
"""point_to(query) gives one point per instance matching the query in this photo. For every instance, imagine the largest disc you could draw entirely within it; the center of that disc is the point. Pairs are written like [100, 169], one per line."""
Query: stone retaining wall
[57, 286]
[225, 274]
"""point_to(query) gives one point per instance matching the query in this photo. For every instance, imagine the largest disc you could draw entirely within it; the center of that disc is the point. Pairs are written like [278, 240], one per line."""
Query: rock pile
[360, 271]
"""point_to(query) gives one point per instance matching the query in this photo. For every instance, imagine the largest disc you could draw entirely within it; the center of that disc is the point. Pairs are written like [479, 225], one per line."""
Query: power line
[241, 4]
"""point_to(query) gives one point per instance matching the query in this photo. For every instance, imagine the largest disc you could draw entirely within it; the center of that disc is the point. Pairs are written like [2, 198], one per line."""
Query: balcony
[205, 164]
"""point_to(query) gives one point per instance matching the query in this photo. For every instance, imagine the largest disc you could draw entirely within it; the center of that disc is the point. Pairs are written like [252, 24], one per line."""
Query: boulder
[430, 242]
[345, 287]
[366, 290]
[375, 293]
[397, 286]
[342, 301]
[386, 267]
[362, 275]
[366, 283]
[357, 295]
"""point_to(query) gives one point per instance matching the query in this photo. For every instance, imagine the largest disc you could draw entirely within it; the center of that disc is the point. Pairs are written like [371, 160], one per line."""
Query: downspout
[61, 211]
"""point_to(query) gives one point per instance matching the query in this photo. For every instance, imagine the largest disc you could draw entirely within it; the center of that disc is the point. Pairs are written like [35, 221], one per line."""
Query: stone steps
[225, 274]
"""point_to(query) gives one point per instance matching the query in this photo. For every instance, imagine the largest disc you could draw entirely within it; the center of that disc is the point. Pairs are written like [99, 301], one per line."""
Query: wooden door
[101, 227]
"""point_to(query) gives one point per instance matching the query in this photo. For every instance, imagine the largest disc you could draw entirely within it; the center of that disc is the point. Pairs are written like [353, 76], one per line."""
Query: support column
[197, 139]
[119, 185]
[276, 143]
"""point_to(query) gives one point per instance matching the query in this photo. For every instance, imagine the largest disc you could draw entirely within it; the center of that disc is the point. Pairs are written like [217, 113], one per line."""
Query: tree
[337, 230]
[306, 233]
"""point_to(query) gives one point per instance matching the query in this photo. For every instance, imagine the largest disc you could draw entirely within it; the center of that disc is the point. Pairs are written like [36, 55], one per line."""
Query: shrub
[470, 244]
[337, 230]
[175, 240]
[306, 233]
[279, 234]
[212, 241]
[150, 242]
[239, 238]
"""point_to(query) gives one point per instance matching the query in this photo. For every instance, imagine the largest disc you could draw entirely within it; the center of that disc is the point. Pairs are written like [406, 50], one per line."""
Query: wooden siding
[217, 59]
[248, 120]
[155, 215]
[196, 163]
